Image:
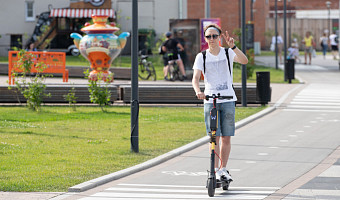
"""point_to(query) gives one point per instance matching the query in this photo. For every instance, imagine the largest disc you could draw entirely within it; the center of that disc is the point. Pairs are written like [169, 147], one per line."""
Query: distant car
[73, 50]
[63, 43]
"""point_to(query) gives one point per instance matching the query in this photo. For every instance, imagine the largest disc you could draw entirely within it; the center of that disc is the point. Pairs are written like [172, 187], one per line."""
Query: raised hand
[229, 40]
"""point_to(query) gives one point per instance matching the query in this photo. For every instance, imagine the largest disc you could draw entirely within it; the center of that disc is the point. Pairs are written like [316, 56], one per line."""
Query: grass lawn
[58, 148]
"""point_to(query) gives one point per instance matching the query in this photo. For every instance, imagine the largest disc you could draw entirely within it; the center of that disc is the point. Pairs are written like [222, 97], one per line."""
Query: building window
[16, 42]
[29, 11]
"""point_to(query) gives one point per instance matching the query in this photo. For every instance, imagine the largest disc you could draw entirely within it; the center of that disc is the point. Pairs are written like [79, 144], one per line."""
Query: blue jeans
[226, 118]
[324, 49]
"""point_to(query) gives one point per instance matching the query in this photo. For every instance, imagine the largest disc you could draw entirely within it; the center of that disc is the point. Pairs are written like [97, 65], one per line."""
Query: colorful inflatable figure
[100, 46]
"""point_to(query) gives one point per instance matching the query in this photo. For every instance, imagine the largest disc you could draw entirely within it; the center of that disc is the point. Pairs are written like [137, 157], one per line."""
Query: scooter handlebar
[218, 96]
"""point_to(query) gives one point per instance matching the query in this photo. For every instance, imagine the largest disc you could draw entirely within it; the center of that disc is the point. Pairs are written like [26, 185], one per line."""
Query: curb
[160, 159]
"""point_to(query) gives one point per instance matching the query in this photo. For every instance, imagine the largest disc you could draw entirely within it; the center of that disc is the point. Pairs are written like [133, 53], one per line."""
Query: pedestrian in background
[309, 43]
[294, 52]
[333, 41]
[31, 47]
[279, 45]
[324, 44]
[171, 46]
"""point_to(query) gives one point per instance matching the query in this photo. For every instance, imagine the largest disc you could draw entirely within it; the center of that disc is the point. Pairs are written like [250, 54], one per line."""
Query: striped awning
[81, 13]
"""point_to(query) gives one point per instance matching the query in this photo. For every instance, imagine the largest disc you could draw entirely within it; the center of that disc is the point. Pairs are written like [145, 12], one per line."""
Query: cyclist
[170, 47]
[218, 79]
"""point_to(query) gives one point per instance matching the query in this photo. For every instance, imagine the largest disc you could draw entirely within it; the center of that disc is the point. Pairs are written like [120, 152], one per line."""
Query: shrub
[71, 98]
[99, 94]
[32, 90]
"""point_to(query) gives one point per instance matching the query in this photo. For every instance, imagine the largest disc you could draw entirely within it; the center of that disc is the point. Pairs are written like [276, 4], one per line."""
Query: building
[19, 18]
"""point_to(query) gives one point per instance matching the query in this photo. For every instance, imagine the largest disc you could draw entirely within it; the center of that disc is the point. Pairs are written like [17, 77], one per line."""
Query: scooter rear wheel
[211, 187]
[226, 187]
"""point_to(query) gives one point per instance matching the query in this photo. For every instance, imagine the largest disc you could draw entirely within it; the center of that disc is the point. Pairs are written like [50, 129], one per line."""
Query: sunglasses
[211, 36]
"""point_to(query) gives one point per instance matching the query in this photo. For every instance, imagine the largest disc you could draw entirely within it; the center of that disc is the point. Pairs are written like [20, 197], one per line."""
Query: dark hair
[215, 26]
[168, 34]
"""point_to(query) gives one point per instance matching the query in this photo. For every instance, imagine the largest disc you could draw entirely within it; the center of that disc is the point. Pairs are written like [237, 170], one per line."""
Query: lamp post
[289, 23]
[251, 10]
[276, 61]
[134, 79]
[243, 42]
[328, 4]
[285, 38]
[207, 8]
[339, 31]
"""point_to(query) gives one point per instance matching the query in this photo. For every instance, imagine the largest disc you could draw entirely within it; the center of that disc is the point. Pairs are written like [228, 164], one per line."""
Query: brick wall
[305, 4]
[229, 11]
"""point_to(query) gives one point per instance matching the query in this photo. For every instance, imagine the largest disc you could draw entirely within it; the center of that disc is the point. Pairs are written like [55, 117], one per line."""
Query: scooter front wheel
[211, 187]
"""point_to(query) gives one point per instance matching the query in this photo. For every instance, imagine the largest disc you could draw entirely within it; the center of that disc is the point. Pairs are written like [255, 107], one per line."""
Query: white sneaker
[225, 172]
[218, 174]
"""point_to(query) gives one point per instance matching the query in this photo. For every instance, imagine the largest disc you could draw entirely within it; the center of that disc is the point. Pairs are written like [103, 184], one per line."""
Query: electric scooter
[212, 183]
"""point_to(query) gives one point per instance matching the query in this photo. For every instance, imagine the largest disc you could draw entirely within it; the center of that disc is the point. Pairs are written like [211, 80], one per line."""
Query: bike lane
[292, 144]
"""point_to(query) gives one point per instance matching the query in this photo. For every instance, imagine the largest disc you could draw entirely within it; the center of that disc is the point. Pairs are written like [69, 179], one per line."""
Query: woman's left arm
[239, 57]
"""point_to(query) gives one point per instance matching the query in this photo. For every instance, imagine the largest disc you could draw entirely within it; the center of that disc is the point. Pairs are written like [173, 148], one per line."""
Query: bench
[120, 73]
[181, 94]
[55, 62]
[57, 94]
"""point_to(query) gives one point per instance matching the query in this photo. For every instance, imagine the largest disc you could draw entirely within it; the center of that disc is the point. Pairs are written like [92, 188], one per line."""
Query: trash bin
[290, 70]
[263, 91]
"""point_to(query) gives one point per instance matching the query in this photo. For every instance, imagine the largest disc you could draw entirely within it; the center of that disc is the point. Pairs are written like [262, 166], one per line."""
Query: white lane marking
[316, 103]
[184, 173]
[273, 147]
[313, 107]
[196, 186]
[333, 171]
[315, 100]
[317, 95]
[186, 191]
[285, 96]
[263, 154]
[108, 195]
[299, 131]
[250, 162]
[317, 111]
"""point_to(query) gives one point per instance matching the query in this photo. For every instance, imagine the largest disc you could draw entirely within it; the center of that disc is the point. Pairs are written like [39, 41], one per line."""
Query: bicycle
[173, 68]
[212, 183]
[146, 68]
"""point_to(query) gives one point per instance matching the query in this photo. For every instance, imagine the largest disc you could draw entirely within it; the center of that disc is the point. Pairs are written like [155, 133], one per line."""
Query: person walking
[171, 46]
[309, 43]
[31, 47]
[279, 45]
[333, 41]
[218, 79]
[296, 54]
[324, 44]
